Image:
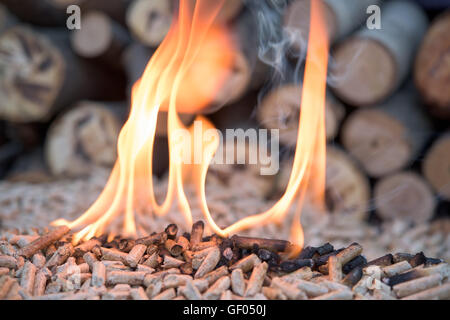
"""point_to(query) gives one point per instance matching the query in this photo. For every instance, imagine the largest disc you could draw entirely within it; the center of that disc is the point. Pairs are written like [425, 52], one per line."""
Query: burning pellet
[171, 231]
[28, 276]
[86, 246]
[292, 265]
[336, 295]
[319, 261]
[237, 282]
[288, 289]
[307, 252]
[8, 262]
[40, 282]
[417, 259]
[352, 264]
[311, 289]
[214, 292]
[60, 256]
[324, 249]
[98, 274]
[269, 244]
[352, 277]
[397, 268]
[6, 282]
[168, 294]
[204, 245]
[153, 261]
[383, 261]
[113, 255]
[171, 262]
[157, 238]
[126, 277]
[414, 286]
[440, 293]
[400, 256]
[183, 242]
[51, 249]
[133, 257]
[190, 291]
[335, 268]
[209, 263]
[138, 294]
[247, 263]
[186, 268]
[349, 253]
[173, 247]
[125, 245]
[197, 233]
[90, 259]
[44, 241]
[273, 293]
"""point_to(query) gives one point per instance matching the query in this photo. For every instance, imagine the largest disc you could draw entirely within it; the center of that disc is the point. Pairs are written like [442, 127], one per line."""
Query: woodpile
[47, 266]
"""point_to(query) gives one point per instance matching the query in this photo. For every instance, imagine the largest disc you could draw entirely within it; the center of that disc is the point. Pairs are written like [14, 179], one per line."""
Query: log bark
[387, 138]
[405, 196]
[432, 70]
[436, 164]
[42, 75]
[280, 109]
[347, 189]
[101, 39]
[84, 137]
[150, 20]
[341, 18]
[372, 64]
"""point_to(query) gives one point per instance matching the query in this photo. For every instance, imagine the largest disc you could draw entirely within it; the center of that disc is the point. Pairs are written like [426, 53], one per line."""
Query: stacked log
[51, 78]
[370, 65]
[432, 72]
[57, 84]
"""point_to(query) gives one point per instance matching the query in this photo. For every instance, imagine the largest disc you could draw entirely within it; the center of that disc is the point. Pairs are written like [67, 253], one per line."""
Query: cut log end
[377, 141]
[365, 72]
[280, 110]
[28, 95]
[94, 37]
[436, 166]
[81, 138]
[149, 20]
[347, 189]
[432, 67]
[405, 196]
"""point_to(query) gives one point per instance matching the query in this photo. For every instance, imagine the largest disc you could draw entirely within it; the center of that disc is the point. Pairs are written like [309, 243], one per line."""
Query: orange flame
[184, 74]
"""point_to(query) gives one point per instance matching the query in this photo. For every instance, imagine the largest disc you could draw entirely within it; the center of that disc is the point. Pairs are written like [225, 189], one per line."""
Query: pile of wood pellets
[172, 266]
